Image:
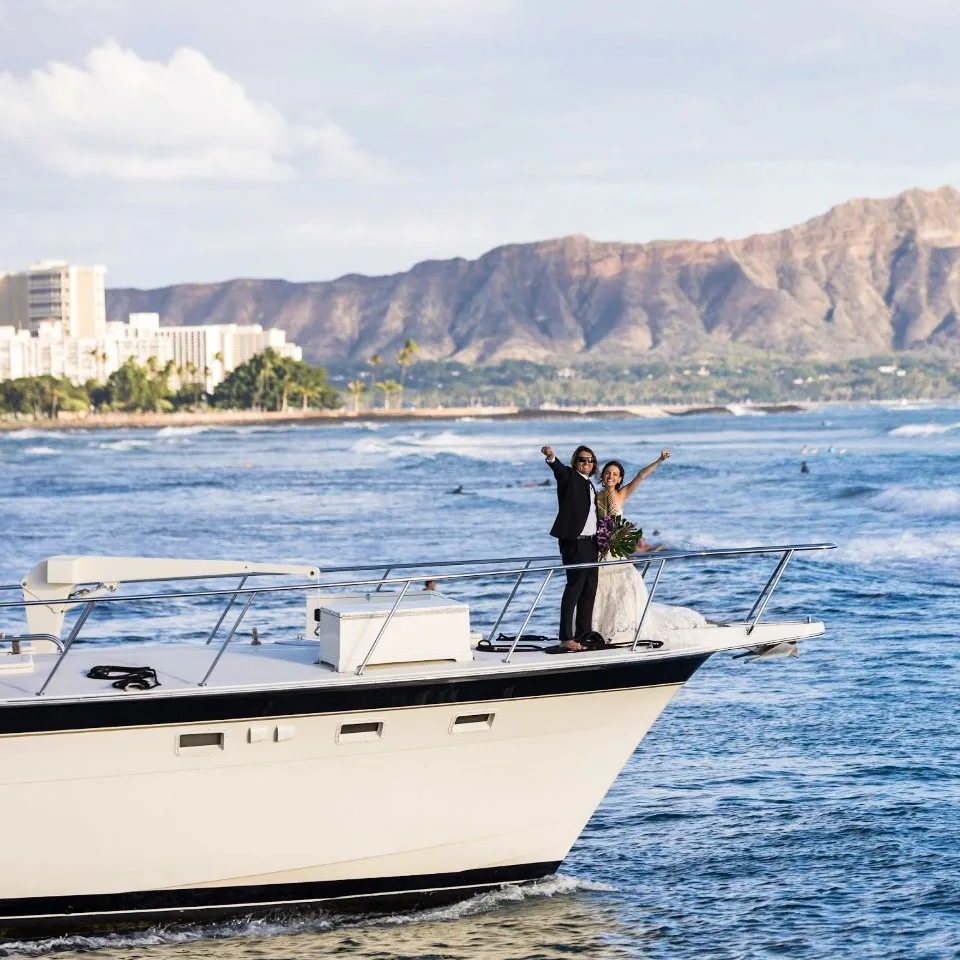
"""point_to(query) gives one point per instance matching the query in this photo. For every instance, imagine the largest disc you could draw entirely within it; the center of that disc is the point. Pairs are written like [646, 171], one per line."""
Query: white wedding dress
[621, 597]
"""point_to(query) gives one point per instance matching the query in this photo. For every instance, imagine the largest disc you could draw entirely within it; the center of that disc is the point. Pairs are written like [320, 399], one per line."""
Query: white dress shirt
[590, 527]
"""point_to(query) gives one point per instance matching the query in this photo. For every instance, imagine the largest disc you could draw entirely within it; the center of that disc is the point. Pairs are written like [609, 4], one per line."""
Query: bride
[621, 592]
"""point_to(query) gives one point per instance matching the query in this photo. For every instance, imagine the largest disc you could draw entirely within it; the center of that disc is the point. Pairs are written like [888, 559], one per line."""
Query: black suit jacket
[574, 493]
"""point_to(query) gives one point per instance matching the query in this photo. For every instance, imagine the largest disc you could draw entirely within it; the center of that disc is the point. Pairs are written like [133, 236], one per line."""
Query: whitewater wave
[739, 410]
[903, 546]
[922, 429]
[304, 922]
[40, 451]
[429, 446]
[122, 444]
[28, 433]
[917, 502]
[181, 431]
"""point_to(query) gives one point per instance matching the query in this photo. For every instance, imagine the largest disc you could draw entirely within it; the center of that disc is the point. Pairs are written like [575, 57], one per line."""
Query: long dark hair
[577, 452]
[619, 466]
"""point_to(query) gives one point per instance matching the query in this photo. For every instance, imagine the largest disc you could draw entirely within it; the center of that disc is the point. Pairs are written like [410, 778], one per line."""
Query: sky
[200, 140]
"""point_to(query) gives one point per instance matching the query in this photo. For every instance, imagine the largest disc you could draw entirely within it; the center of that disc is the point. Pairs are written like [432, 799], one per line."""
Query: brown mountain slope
[868, 277]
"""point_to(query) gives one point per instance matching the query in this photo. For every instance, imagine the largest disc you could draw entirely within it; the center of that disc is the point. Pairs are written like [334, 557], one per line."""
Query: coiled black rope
[126, 678]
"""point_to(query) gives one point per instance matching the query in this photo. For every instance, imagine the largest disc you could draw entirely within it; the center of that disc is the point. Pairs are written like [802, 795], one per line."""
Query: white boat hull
[286, 812]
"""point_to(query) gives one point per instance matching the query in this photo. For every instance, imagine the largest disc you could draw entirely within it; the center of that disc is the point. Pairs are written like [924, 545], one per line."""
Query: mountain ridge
[866, 277]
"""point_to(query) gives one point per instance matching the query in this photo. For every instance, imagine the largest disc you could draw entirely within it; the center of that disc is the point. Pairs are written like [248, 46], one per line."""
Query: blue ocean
[799, 808]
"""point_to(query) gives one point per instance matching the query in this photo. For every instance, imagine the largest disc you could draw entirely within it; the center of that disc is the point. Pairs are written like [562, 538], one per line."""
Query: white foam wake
[306, 922]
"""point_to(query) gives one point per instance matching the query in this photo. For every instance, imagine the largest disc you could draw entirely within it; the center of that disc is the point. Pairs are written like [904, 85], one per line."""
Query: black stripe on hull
[38, 916]
[144, 710]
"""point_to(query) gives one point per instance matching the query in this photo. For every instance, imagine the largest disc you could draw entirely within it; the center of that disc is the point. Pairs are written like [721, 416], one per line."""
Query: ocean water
[800, 808]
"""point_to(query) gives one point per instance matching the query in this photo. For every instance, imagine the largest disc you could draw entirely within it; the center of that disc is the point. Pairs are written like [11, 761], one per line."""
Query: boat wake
[301, 922]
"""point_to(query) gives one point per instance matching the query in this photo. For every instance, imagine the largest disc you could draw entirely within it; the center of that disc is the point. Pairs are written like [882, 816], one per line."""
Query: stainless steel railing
[517, 574]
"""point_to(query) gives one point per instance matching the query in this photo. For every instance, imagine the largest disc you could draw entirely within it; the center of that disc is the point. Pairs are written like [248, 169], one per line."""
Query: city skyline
[369, 136]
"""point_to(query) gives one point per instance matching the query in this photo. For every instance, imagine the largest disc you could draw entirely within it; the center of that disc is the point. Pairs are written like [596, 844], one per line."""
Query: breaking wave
[40, 451]
[181, 431]
[919, 503]
[122, 444]
[903, 546]
[28, 433]
[922, 429]
[449, 442]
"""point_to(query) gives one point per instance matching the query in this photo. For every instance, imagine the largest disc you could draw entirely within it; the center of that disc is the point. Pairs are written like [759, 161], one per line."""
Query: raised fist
[547, 452]
[664, 454]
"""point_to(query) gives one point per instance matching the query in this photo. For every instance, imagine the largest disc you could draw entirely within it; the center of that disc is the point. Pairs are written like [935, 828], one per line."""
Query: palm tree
[405, 358]
[357, 388]
[288, 377]
[388, 387]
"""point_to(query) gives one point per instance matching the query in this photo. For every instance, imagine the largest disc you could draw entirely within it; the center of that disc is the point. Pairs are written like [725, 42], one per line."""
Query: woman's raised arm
[628, 488]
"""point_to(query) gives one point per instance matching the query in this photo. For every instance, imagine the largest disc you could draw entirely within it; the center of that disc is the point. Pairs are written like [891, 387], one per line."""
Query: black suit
[575, 494]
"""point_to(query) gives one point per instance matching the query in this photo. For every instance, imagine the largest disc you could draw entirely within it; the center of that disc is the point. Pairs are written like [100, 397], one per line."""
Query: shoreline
[228, 418]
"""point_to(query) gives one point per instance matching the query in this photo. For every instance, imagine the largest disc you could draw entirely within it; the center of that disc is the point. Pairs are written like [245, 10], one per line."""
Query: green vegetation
[271, 382]
[265, 382]
[389, 387]
[702, 381]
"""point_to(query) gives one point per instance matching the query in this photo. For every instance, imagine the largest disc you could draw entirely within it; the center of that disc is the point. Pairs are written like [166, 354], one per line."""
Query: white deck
[181, 667]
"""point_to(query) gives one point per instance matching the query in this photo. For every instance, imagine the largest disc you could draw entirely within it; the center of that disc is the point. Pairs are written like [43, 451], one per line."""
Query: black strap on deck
[126, 678]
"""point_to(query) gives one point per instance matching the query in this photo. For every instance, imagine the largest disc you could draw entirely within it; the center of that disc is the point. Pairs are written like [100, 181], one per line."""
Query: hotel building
[53, 321]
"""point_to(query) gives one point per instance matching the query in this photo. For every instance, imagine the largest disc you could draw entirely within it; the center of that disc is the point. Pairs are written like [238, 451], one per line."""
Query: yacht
[377, 747]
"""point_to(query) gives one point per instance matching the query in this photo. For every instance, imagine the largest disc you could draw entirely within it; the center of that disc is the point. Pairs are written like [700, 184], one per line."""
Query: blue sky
[196, 141]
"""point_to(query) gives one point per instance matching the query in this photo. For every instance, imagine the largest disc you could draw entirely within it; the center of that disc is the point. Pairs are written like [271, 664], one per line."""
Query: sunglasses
[585, 460]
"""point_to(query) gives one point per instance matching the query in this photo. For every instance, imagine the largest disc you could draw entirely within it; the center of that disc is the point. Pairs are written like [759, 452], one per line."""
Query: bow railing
[516, 569]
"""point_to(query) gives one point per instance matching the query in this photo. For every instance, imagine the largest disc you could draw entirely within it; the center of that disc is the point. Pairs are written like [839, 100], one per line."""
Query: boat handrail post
[74, 633]
[383, 629]
[226, 610]
[228, 638]
[386, 573]
[533, 606]
[768, 589]
[28, 637]
[509, 600]
[646, 606]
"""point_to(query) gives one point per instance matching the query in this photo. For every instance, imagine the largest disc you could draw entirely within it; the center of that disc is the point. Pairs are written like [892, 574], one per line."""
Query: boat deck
[294, 664]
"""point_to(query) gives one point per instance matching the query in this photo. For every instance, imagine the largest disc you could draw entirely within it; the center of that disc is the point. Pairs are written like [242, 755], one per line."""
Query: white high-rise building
[199, 353]
[56, 292]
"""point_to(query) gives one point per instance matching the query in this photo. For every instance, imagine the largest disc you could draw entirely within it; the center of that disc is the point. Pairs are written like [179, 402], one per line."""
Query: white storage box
[427, 626]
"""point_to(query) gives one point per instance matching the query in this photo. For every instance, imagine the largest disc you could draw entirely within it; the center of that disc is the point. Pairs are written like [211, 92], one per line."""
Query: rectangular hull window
[195, 743]
[472, 722]
[358, 732]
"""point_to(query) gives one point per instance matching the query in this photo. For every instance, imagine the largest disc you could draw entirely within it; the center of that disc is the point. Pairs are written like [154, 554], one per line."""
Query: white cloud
[125, 118]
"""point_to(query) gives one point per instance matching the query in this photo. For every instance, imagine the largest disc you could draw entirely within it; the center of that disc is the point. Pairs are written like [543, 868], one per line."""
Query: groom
[576, 529]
